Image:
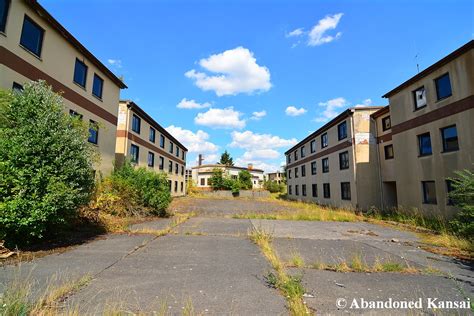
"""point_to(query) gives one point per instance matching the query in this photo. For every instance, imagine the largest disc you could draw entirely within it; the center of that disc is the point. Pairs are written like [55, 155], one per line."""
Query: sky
[255, 77]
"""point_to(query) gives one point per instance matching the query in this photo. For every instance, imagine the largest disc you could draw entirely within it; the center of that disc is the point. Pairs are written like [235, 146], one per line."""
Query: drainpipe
[354, 155]
[379, 167]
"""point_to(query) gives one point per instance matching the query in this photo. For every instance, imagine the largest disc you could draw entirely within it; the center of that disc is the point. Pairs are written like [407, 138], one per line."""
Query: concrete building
[33, 46]
[278, 177]
[334, 165]
[146, 143]
[202, 173]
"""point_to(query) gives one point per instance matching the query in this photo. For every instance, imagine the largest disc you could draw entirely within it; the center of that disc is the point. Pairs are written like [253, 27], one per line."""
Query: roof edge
[235, 167]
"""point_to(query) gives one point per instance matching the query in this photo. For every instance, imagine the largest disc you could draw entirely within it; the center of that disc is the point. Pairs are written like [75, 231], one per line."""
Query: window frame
[40, 46]
[312, 146]
[289, 190]
[346, 166]
[162, 141]
[415, 105]
[424, 192]
[303, 190]
[303, 170]
[385, 119]
[3, 20]
[134, 159]
[16, 87]
[152, 135]
[138, 126]
[436, 80]
[297, 189]
[325, 168]
[296, 173]
[449, 188]
[76, 63]
[386, 156]
[152, 155]
[170, 166]
[339, 136]
[346, 194]
[161, 165]
[327, 193]
[443, 139]
[420, 136]
[314, 190]
[95, 132]
[324, 140]
[96, 76]
[314, 167]
[302, 151]
[171, 149]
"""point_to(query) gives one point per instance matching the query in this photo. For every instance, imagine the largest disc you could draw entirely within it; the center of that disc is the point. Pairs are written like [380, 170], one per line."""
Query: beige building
[147, 144]
[202, 173]
[278, 177]
[33, 46]
[334, 166]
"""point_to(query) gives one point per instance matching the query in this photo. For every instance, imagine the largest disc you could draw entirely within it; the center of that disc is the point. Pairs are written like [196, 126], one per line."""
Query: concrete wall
[242, 194]
[205, 172]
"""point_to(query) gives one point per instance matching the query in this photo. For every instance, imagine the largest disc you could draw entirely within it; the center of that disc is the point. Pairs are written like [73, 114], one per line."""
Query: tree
[226, 159]
[463, 197]
[46, 165]
[245, 179]
[217, 179]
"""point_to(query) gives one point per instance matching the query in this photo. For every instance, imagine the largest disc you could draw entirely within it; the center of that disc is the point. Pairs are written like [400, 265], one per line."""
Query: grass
[177, 220]
[290, 286]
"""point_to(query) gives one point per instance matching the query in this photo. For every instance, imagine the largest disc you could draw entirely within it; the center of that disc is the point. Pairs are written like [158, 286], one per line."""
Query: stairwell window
[443, 87]
[80, 73]
[32, 36]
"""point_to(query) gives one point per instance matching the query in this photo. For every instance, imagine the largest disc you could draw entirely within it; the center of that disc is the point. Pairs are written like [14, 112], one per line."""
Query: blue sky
[296, 63]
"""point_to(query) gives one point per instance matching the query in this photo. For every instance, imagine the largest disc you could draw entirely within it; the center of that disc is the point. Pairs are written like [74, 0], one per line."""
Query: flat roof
[34, 5]
[458, 52]
[226, 166]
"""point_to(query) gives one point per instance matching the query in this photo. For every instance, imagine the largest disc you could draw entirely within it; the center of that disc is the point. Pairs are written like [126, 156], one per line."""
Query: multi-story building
[334, 166]
[278, 177]
[34, 46]
[202, 173]
[147, 144]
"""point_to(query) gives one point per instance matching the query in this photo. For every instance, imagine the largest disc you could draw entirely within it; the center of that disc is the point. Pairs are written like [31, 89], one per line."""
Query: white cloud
[195, 142]
[296, 32]
[220, 118]
[317, 35]
[258, 164]
[261, 154]
[331, 109]
[117, 63]
[292, 111]
[208, 159]
[252, 141]
[258, 115]
[234, 71]
[192, 104]
[366, 102]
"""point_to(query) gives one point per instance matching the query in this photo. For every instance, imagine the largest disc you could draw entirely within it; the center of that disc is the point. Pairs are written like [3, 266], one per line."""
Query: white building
[202, 173]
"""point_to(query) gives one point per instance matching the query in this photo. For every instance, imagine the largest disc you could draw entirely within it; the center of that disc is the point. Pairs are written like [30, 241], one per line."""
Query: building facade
[278, 177]
[147, 144]
[202, 173]
[34, 46]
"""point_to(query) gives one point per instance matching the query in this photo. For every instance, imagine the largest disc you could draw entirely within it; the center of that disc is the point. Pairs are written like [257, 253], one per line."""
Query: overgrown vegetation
[46, 164]
[222, 181]
[274, 187]
[462, 196]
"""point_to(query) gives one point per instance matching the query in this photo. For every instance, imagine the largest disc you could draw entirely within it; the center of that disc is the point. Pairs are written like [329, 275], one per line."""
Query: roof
[331, 123]
[133, 106]
[382, 111]
[230, 167]
[34, 5]
[458, 52]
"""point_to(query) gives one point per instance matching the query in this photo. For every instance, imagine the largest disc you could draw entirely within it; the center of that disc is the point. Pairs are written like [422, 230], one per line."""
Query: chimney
[250, 166]
[200, 159]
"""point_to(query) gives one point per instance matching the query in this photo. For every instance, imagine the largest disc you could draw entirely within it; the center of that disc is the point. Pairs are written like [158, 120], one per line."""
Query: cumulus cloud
[192, 104]
[295, 33]
[258, 164]
[366, 102]
[195, 142]
[261, 154]
[117, 63]
[293, 111]
[331, 109]
[258, 115]
[252, 141]
[231, 72]
[220, 118]
[317, 35]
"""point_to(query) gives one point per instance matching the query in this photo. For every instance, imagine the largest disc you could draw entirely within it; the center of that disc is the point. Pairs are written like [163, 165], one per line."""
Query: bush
[217, 179]
[273, 186]
[46, 164]
[463, 197]
[245, 179]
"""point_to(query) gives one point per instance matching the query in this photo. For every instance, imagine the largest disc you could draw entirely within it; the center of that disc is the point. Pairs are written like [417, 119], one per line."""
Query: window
[450, 138]
[449, 188]
[162, 141]
[152, 135]
[162, 163]
[313, 168]
[424, 144]
[288, 159]
[326, 190]
[297, 191]
[429, 192]
[419, 96]
[177, 151]
[303, 170]
[176, 186]
[182, 154]
[170, 167]
[74, 114]
[342, 130]
[93, 132]
[303, 189]
[296, 172]
[97, 86]
[176, 168]
[289, 190]
[296, 155]
[388, 151]
[345, 190]
[136, 122]
[17, 87]
[386, 123]
[171, 147]
[203, 181]
[169, 185]
[289, 173]
[302, 152]
[325, 165]
[151, 159]
[312, 146]
[182, 170]
[443, 87]
[324, 140]
[32, 36]
[182, 186]
[80, 73]
[314, 190]
[4, 5]
[344, 160]
[134, 153]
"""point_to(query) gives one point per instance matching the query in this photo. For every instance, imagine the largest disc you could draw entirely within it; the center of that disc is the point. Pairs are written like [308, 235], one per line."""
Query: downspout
[379, 167]
[354, 156]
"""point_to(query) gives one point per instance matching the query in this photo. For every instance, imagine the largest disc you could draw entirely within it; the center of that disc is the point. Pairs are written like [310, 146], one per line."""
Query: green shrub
[273, 186]
[46, 164]
[463, 197]
[217, 179]
[245, 179]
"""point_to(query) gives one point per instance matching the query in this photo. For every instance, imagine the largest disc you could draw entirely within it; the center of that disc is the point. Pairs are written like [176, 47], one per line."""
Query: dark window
[177, 151]
[313, 168]
[342, 130]
[314, 190]
[32, 36]
[424, 144]
[288, 159]
[176, 186]
[429, 192]
[182, 155]
[152, 135]
[345, 190]
[326, 190]
[312, 146]
[4, 5]
[182, 186]
[97, 86]
[80, 73]
[169, 184]
[302, 152]
[203, 181]
[449, 188]
[93, 132]
[450, 138]
[134, 153]
[289, 173]
[324, 140]
[289, 190]
[171, 147]
[182, 170]
[296, 172]
[388, 151]
[17, 87]
[176, 168]
[303, 170]
[303, 189]
[162, 141]
[325, 165]
[136, 122]
[297, 190]
[443, 87]
[296, 155]
[419, 97]
[170, 167]
[344, 160]
[386, 123]
[74, 114]
[151, 159]
[162, 163]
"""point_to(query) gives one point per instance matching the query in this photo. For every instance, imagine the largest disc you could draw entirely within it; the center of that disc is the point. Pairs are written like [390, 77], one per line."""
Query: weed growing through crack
[296, 260]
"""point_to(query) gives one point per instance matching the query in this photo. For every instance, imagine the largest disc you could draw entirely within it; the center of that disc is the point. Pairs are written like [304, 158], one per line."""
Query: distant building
[278, 177]
[188, 175]
[202, 173]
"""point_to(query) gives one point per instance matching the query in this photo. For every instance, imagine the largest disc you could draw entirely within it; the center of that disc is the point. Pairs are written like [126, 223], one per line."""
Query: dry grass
[296, 260]
[177, 220]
